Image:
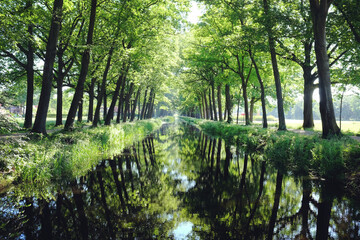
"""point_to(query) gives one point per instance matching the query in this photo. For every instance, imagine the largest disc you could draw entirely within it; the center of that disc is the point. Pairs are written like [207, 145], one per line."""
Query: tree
[319, 11]
[12, 29]
[41, 114]
[271, 40]
[85, 60]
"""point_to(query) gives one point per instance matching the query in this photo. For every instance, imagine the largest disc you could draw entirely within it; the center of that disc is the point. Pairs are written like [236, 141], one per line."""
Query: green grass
[50, 124]
[347, 127]
[65, 155]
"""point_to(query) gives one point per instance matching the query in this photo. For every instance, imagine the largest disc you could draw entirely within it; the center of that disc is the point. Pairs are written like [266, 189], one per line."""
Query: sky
[195, 12]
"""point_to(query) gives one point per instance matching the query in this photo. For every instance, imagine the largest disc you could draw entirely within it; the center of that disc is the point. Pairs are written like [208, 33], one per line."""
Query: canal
[179, 183]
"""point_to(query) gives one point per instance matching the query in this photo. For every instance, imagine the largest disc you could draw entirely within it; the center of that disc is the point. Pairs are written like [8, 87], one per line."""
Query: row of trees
[113, 50]
[304, 42]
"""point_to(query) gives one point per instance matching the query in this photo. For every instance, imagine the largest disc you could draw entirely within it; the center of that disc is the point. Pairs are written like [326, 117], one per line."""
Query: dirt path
[303, 132]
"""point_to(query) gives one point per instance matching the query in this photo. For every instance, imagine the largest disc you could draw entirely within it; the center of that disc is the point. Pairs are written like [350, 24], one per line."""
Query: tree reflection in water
[181, 177]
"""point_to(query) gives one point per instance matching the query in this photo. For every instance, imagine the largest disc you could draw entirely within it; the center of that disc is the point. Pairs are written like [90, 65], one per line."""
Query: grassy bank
[65, 155]
[292, 153]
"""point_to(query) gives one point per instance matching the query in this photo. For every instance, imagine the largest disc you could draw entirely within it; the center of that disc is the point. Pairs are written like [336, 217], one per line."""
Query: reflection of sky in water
[182, 230]
[176, 175]
[184, 180]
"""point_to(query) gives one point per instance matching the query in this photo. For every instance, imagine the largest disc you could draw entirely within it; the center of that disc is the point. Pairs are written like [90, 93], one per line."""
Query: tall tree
[85, 60]
[319, 11]
[43, 106]
[10, 36]
[271, 40]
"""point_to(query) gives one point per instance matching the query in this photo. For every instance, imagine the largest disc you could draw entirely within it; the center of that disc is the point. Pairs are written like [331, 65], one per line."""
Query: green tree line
[105, 51]
[256, 51]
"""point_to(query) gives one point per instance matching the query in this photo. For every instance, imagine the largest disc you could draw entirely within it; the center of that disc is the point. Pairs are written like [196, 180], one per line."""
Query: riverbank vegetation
[65, 155]
[332, 159]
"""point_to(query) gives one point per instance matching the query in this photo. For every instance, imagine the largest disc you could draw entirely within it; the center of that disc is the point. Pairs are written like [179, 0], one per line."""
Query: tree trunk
[131, 103]
[105, 106]
[59, 86]
[41, 114]
[203, 106]
[139, 107]
[80, 111]
[308, 121]
[85, 60]
[213, 100]
[120, 110]
[319, 11]
[309, 87]
[210, 106]
[246, 104]
[30, 80]
[144, 105]
[228, 103]
[280, 102]
[206, 106]
[251, 113]
[263, 103]
[151, 107]
[91, 100]
[135, 104]
[244, 83]
[110, 114]
[219, 101]
[103, 88]
[127, 101]
[238, 111]
[121, 101]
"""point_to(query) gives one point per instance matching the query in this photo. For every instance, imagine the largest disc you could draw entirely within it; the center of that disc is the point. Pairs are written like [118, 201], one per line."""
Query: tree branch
[13, 57]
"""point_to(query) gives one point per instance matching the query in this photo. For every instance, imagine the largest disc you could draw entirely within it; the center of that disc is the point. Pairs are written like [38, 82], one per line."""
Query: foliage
[328, 157]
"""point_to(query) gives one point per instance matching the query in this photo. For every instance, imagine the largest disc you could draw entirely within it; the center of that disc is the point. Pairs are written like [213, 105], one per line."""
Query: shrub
[328, 158]
[278, 151]
[301, 154]
[352, 157]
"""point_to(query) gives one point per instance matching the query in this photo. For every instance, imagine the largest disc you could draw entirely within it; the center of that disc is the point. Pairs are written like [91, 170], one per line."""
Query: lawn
[347, 127]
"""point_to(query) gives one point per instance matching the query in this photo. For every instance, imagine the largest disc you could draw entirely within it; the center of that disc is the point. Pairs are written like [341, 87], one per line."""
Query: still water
[179, 183]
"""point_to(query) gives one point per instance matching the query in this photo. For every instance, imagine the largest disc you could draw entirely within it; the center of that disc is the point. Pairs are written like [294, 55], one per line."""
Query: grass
[351, 128]
[50, 124]
[65, 155]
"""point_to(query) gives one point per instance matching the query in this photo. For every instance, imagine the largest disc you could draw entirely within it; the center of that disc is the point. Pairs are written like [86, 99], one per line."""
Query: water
[181, 184]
